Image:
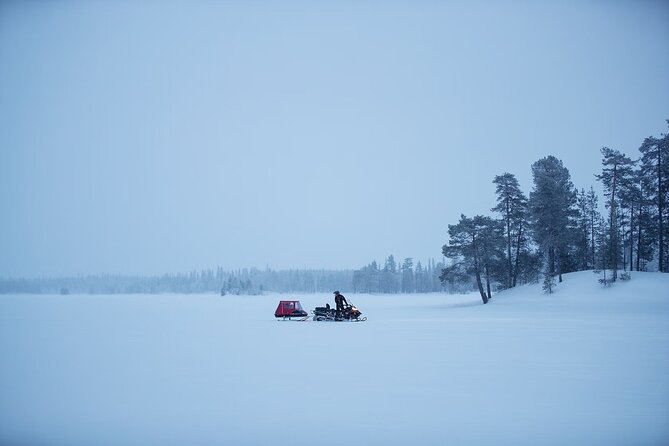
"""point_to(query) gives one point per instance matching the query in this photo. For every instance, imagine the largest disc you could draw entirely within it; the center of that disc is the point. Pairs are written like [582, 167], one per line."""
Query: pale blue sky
[150, 137]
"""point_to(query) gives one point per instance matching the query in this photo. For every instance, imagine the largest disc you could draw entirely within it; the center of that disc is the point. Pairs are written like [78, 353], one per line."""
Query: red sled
[289, 310]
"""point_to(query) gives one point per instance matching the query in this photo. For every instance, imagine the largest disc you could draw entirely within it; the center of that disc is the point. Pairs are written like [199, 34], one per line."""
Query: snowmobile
[350, 313]
[289, 310]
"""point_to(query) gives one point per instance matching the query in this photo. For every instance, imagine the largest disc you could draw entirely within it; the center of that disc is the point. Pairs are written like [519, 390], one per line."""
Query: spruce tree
[408, 282]
[389, 276]
[551, 208]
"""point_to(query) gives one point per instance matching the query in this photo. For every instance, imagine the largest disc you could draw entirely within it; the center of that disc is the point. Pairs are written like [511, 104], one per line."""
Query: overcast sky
[151, 137]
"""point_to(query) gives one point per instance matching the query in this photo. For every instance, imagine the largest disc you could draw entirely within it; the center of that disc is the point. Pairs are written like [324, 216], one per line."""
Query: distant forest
[392, 278]
[559, 229]
[555, 230]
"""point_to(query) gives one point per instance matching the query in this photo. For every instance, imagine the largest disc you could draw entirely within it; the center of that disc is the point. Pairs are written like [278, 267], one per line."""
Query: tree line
[396, 277]
[393, 278]
[247, 281]
[559, 229]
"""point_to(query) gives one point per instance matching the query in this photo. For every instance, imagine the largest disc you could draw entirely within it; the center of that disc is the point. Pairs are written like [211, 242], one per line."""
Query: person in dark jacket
[340, 301]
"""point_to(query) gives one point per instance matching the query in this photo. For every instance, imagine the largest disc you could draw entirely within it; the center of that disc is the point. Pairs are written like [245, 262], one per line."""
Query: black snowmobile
[349, 314]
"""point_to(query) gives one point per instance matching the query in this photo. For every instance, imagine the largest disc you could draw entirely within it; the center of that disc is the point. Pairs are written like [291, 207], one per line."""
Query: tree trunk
[508, 244]
[515, 270]
[592, 237]
[625, 249]
[632, 238]
[660, 209]
[484, 297]
[613, 230]
[638, 243]
[479, 283]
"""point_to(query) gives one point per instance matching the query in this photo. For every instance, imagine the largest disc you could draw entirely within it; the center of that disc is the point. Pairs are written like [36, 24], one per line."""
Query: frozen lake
[582, 366]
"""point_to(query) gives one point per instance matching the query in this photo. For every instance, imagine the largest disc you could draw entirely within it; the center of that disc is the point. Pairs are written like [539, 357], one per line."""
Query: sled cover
[288, 307]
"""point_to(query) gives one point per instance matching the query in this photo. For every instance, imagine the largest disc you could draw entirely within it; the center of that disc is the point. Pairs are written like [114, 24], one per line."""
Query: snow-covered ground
[585, 366]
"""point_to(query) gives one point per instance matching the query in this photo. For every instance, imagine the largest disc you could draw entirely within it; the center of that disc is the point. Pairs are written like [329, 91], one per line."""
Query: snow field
[585, 366]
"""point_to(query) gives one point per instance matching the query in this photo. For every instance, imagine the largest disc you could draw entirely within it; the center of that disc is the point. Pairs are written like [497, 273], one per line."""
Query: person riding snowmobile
[340, 300]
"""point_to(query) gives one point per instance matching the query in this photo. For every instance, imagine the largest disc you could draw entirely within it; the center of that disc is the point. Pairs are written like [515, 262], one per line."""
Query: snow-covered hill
[584, 366]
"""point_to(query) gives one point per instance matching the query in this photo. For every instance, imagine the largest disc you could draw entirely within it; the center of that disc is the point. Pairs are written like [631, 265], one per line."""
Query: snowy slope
[585, 366]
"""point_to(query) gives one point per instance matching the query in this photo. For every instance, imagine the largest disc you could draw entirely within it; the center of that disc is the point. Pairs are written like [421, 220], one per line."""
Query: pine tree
[645, 240]
[512, 206]
[435, 279]
[492, 242]
[549, 275]
[632, 203]
[593, 217]
[420, 277]
[476, 245]
[408, 282]
[389, 276]
[615, 177]
[655, 184]
[551, 208]
[601, 251]
[367, 279]
[582, 231]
